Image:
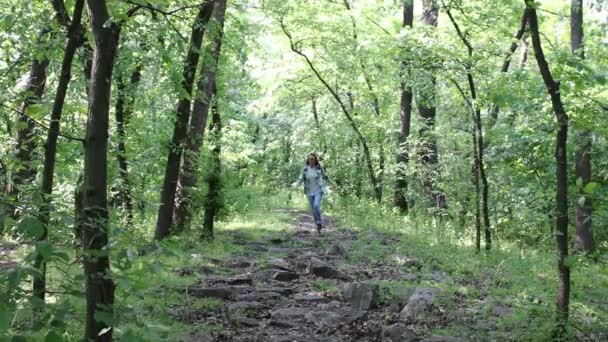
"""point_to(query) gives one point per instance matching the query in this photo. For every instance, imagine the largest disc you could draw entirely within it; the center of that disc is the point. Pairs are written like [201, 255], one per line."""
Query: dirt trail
[299, 286]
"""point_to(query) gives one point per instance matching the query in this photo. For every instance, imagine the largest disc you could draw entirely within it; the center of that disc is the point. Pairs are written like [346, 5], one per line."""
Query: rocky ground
[299, 286]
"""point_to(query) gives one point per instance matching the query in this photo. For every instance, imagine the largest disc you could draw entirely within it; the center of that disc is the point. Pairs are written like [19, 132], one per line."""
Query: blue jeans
[315, 204]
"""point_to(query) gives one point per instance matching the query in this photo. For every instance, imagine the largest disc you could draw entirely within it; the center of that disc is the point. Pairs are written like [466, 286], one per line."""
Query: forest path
[342, 285]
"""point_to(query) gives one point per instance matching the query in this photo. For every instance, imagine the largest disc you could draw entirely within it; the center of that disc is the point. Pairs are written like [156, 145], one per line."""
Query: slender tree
[122, 112]
[583, 238]
[98, 280]
[213, 200]
[405, 117]
[167, 196]
[371, 93]
[425, 101]
[480, 167]
[347, 113]
[25, 127]
[75, 38]
[561, 172]
[194, 142]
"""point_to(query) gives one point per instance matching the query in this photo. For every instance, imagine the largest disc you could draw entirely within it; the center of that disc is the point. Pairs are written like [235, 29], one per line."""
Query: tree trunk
[405, 117]
[475, 176]
[583, 238]
[375, 101]
[525, 46]
[205, 87]
[425, 100]
[167, 196]
[74, 40]
[99, 284]
[123, 110]
[213, 201]
[26, 144]
[561, 172]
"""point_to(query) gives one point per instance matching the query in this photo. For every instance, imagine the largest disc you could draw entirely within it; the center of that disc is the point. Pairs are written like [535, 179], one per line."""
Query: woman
[313, 177]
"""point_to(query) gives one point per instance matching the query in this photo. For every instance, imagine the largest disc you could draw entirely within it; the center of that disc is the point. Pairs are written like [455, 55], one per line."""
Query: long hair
[317, 164]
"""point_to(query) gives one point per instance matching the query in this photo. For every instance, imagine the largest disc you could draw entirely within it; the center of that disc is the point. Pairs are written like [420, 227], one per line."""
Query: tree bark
[405, 117]
[74, 41]
[167, 197]
[583, 238]
[213, 201]
[123, 110]
[26, 144]
[194, 142]
[561, 172]
[99, 284]
[425, 101]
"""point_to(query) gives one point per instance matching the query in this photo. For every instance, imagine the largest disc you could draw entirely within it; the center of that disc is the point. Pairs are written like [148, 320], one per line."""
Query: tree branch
[29, 118]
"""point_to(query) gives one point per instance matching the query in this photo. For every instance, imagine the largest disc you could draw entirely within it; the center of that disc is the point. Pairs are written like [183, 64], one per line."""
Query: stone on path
[321, 269]
[440, 338]
[279, 264]
[232, 281]
[310, 298]
[281, 324]
[338, 248]
[285, 276]
[419, 302]
[260, 297]
[334, 317]
[284, 291]
[397, 333]
[246, 308]
[199, 336]
[266, 275]
[289, 313]
[361, 296]
[212, 292]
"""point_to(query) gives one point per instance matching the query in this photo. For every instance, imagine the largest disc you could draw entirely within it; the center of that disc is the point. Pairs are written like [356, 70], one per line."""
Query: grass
[523, 279]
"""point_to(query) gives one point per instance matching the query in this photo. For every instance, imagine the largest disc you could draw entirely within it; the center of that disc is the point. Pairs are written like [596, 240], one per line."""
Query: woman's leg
[316, 207]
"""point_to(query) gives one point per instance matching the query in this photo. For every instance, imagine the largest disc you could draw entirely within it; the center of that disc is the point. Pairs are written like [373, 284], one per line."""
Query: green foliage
[267, 96]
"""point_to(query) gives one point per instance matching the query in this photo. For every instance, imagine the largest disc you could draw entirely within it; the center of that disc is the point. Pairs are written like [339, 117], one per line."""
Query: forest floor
[297, 285]
[346, 285]
[371, 275]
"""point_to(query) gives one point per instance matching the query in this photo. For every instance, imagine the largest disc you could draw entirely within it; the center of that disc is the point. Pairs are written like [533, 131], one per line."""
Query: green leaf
[45, 249]
[52, 336]
[34, 111]
[5, 318]
[129, 336]
[8, 223]
[569, 261]
[590, 187]
[155, 268]
[31, 227]
[19, 338]
[105, 317]
[131, 254]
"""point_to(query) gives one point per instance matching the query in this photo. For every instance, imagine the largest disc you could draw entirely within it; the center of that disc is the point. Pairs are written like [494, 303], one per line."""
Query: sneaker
[319, 226]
